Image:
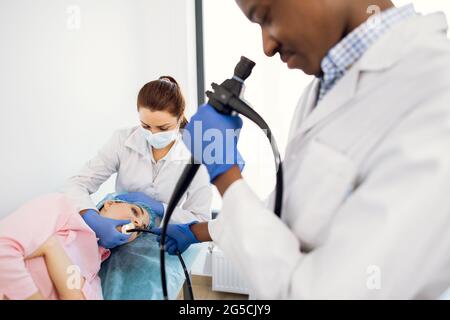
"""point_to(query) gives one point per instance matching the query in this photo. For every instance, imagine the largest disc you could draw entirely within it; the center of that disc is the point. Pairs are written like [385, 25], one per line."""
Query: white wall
[70, 72]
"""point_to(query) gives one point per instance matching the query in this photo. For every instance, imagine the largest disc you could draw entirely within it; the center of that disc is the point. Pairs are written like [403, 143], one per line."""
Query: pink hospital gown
[26, 229]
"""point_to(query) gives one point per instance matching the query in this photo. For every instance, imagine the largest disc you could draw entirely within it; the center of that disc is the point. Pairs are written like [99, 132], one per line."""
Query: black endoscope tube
[180, 257]
[244, 109]
[225, 101]
[183, 184]
[186, 274]
[191, 169]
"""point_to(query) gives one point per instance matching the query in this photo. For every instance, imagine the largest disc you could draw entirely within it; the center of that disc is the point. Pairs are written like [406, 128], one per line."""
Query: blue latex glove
[206, 137]
[134, 197]
[179, 237]
[105, 229]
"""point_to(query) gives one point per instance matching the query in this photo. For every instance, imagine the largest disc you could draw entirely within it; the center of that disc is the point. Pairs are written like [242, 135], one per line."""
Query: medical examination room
[251, 150]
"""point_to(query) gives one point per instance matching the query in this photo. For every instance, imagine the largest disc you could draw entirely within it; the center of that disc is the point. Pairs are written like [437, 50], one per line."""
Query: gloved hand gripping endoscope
[226, 99]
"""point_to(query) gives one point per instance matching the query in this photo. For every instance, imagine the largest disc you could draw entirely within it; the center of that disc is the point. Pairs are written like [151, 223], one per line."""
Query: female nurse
[148, 160]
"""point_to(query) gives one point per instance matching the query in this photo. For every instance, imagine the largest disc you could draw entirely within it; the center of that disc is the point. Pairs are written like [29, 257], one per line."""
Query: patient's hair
[163, 94]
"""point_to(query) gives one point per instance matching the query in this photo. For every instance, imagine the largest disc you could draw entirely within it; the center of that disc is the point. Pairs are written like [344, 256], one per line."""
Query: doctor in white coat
[366, 207]
[148, 160]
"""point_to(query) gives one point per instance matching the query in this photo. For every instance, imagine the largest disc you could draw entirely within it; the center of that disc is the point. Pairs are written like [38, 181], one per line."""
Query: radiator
[224, 276]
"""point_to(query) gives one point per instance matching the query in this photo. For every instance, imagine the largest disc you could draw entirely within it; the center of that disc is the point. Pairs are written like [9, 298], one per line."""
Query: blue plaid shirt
[348, 51]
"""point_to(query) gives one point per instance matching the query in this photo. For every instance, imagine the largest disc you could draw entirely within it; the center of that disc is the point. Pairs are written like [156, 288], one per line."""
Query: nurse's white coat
[366, 213]
[127, 154]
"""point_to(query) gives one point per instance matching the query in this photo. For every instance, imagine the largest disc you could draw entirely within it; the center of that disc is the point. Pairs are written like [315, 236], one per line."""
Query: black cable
[191, 169]
[244, 109]
[189, 173]
[226, 100]
[185, 180]
[186, 273]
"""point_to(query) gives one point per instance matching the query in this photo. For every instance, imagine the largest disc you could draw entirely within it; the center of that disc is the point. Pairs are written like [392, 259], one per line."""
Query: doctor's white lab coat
[366, 206]
[128, 154]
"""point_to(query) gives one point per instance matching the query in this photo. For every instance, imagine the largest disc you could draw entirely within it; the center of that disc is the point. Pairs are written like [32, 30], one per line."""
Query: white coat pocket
[317, 184]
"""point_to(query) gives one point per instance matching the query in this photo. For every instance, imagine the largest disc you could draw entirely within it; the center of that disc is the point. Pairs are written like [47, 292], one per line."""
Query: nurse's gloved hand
[106, 229]
[179, 237]
[136, 197]
[212, 138]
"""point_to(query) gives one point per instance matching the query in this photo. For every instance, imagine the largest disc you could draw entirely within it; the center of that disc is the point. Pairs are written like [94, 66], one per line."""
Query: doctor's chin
[250, 152]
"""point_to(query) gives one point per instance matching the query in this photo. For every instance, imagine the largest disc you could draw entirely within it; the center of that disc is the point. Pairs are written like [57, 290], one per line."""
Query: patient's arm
[21, 234]
[37, 296]
[58, 263]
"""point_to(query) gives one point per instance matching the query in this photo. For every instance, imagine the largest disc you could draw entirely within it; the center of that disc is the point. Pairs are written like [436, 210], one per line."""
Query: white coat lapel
[136, 141]
[304, 107]
[381, 56]
[343, 91]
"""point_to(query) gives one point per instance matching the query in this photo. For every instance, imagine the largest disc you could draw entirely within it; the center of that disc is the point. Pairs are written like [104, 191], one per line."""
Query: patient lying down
[47, 251]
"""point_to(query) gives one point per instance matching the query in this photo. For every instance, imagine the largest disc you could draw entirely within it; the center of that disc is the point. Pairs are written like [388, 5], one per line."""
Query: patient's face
[126, 211]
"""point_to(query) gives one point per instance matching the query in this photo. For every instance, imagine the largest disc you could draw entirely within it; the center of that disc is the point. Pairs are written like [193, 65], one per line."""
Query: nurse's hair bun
[163, 94]
[168, 79]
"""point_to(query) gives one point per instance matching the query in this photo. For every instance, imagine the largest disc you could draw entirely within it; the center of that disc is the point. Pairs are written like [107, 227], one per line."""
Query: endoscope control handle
[220, 99]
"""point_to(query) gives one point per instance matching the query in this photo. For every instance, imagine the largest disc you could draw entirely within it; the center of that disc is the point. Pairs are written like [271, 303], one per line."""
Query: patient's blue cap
[114, 197]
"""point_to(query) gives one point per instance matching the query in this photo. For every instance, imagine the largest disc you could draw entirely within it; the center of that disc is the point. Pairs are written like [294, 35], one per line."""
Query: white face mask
[160, 140]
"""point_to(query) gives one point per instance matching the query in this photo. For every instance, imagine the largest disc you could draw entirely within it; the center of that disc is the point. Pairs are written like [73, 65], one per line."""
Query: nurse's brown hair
[163, 94]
